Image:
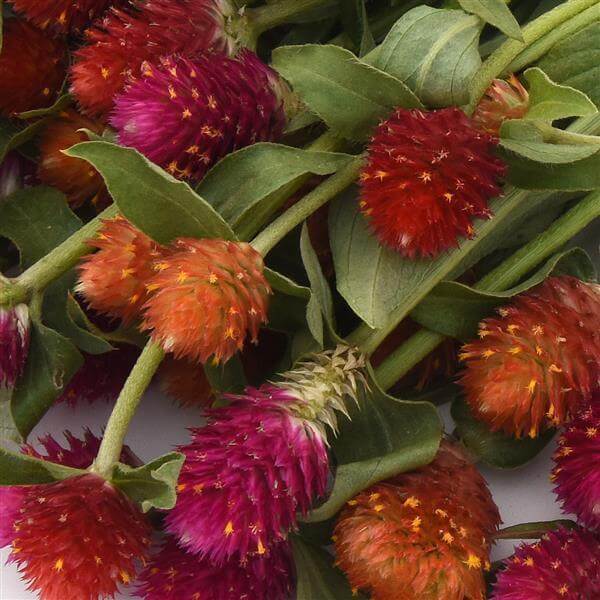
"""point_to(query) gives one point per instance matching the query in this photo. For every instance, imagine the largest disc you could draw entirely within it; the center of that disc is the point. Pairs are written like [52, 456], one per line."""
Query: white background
[523, 495]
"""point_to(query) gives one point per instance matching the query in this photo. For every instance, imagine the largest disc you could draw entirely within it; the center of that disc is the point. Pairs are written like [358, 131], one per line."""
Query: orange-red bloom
[79, 539]
[537, 362]
[206, 297]
[503, 100]
[113, 280]
[429, 175]
[61, 16]
[32, 68]
[185, 381]
[73, 176]
[423, 535]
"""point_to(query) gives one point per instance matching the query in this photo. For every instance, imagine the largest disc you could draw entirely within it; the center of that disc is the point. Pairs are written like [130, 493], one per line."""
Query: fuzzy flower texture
[262, 460]
[423, 535]
[539, 361]
[564, 565]
[185, 114]
[428, 176]
[14, 343]
[577, 470]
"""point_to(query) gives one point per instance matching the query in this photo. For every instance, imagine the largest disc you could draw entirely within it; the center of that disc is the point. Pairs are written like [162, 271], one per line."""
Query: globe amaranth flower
[503, 100]
[185, 114]
[205, 297]
[577, 470]
[185, 381]
[32, 68]
[78, 453]
[101, 376]
[423, 535]
[143, 31]
[14, 343]
[113, 279]
[75, 177]
[79, 538]
[61, 16]
[261, 460]
[539, 361]
[173, 574]
[428, 176]
[563, 565]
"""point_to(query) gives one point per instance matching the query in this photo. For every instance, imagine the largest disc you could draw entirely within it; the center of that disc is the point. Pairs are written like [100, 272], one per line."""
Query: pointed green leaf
[21, 469]
[345, 92]
[152, 485]
[533, 531]
[435, 52]
[495, 448]
[496, 13]
[356, 24]
[549, 101]
[160, 205]
[243, 186]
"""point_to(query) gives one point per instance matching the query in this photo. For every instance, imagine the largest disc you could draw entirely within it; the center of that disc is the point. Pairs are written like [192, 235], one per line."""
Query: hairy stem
[125, 407]
[505, 275]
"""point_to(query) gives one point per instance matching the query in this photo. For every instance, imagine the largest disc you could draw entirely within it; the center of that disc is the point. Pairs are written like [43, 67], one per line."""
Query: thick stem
[272, 15]
[62, 258]
[507, 274]
[280, 227]
[500, 60]
[125, 407]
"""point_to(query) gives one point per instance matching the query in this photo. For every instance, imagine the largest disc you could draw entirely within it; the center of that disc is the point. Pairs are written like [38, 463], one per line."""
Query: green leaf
[152, 485]
[51, 363]
[549, 101]
[533, 531]
[454, 309]
[62, 102]
[243, 186]
[356, 24]
[345, 92]
[319, 309]
[495, 448]
[317, 577]
[435, 52]
[226, 378]
[21, 469]
[160, 205]
[385, 437]
[575, 61]
[496, 13]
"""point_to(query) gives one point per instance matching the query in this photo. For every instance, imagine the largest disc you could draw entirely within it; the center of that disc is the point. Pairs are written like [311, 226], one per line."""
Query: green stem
[507, 274]
[499, 61]
[59, 260]
[125, 407]
[269, 16]
[280, 227]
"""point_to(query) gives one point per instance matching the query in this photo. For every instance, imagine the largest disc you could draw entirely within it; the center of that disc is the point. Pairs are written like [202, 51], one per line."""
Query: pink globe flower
[14, 343]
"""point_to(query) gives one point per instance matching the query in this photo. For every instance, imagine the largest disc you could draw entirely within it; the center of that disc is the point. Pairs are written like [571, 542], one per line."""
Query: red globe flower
[428, 176]
[113, 280]
[173, 574]
[79, 538]
[32, 68]
[206, 297]
[539, 361]
[503, 100]
[563, 565]
[61, 16]
[143, 31]
[577, 470]
[424, 534]
[184, 115]
[185, 381]
[75, 177]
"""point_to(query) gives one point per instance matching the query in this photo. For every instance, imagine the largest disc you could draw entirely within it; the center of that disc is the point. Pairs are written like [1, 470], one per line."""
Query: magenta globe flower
[173, 574]
[185, 114]
[14, 343]
[261, 460]
[577, 470]
[563, 565]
